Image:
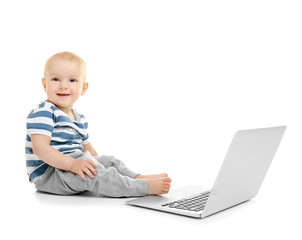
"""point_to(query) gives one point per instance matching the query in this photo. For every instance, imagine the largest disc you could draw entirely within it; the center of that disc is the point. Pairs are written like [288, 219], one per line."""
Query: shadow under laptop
[226, 214]
[232, 212]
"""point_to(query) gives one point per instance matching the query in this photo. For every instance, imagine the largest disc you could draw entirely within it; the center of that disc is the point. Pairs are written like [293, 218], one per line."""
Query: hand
[82, 167]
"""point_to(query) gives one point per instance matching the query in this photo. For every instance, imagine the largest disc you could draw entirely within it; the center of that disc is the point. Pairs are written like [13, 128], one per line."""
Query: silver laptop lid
[244, 168]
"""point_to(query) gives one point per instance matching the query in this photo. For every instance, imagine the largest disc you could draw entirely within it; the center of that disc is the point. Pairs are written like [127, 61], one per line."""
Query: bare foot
[153, 176]
[159, 185]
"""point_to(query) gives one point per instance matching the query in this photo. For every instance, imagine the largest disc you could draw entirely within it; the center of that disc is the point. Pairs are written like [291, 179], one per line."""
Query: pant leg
[110, 161]
[54, 182]
[109, 182]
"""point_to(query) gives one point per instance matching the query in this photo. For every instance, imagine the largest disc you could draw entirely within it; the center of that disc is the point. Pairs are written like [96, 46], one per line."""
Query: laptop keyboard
[195, 203]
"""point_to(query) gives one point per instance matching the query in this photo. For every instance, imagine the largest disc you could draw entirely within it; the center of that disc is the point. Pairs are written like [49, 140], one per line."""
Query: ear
[84, 89]
[44, 83]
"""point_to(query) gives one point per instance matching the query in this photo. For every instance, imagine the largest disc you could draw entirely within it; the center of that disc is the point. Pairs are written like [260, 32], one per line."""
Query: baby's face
[64, 82]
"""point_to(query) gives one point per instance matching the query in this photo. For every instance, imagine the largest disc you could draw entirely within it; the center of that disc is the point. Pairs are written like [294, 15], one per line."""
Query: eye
[55, 79]
[73, 80]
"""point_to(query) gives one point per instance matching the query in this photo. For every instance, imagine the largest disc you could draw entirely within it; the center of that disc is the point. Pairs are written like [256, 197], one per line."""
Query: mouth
[63, 94]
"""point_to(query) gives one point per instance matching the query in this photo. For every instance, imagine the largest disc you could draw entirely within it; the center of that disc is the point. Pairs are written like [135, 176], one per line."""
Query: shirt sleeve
[86, 140]
[40, 121]
[85, 136]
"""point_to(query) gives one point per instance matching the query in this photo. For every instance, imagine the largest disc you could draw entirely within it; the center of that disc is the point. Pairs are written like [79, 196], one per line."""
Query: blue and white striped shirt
[67, 136]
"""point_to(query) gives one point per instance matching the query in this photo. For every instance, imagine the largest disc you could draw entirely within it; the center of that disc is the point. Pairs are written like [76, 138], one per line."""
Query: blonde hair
[66, 56]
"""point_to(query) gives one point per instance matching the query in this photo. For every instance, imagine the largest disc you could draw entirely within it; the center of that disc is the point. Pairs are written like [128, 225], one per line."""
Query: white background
[170, 83]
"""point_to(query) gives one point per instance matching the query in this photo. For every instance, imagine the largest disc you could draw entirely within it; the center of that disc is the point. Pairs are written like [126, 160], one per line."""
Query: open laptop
[240, 177]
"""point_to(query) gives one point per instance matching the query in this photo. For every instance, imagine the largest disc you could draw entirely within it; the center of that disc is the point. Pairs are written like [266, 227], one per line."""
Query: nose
[63, 85]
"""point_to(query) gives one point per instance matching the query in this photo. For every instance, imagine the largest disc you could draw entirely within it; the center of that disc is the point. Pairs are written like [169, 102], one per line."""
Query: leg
[157, 183]
[107, 182]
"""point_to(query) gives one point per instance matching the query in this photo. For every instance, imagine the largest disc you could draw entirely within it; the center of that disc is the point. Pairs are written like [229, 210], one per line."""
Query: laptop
[239, 179]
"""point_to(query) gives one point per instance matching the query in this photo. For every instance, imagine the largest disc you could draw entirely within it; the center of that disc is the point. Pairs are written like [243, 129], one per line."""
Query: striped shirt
[67, 136]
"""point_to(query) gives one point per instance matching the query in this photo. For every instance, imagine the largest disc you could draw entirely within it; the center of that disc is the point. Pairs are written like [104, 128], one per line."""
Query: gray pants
[113, 179]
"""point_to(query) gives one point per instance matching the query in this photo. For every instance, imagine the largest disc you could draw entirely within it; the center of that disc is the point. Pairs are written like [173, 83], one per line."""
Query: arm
[51, 156]
[90, 148]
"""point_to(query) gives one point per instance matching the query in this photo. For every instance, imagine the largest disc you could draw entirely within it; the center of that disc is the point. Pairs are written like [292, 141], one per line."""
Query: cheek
[50, 88]
[77, 90]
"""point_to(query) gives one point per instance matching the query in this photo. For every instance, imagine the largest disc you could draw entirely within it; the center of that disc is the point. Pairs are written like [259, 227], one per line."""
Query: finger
[82, 175]
[88, 172]
[91, 168]
[92, 163]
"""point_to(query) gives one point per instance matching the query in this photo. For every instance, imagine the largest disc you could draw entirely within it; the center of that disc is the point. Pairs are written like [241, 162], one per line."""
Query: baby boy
[60, 159]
